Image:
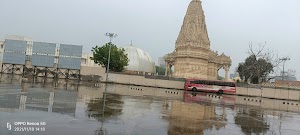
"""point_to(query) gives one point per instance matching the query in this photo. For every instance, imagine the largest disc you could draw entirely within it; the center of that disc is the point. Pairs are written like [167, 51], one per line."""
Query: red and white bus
[210, 86]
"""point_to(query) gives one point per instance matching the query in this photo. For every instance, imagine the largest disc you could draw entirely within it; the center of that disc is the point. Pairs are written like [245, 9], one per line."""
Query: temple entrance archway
[223, 71]
[169, 67]
[221, 74]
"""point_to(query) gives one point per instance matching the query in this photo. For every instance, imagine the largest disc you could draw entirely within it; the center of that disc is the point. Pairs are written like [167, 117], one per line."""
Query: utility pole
[284, 59]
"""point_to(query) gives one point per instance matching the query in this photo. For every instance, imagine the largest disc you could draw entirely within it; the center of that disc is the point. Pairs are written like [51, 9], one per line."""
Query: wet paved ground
[70, 109]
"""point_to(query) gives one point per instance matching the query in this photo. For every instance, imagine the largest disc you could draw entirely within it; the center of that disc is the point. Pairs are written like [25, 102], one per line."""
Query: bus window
[201, 82]
[193, 82]
[222, 84]
[211, 83]
[215, 83]
[208, 83]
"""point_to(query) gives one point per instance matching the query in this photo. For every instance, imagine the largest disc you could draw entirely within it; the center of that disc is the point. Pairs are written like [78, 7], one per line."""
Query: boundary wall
[136, 80]
[143, 81]
[266, 92]
[273, 93]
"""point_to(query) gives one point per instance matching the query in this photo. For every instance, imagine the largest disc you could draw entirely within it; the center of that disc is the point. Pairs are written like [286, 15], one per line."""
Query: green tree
[251, 121]
[160, 70]
[118, 58]
[260, 63]
[254, 69]
[113, 107]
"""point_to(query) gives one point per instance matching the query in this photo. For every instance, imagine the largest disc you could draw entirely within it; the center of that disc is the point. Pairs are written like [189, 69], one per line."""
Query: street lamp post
[111, 36]
[284, 59]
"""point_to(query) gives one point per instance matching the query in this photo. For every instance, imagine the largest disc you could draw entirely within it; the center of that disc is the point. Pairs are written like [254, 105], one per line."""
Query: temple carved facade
[192, 57]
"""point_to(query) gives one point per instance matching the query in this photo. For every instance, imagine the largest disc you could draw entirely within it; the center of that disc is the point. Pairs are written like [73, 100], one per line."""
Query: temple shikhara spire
[192, 57]
[193, 30]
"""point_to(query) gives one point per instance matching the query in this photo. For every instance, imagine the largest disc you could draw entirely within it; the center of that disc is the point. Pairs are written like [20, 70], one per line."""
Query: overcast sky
[153, 25]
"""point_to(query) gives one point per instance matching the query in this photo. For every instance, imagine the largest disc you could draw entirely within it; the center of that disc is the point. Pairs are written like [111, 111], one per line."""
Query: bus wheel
[220, 92]
[194, 89]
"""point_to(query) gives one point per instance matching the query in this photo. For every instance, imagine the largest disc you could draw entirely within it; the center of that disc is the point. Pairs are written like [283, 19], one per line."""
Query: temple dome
[139, 60]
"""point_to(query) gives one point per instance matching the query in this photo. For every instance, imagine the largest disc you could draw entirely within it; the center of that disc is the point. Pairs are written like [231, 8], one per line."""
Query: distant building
[1, 50]
[89, 67]
[235, 73]
[161, 62]
[286, 78]
[140, 62]
[86, 60]
[280, 83]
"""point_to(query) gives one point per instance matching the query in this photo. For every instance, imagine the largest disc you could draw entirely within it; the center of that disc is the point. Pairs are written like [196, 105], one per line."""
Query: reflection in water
[42, 94]
[141, 110]
[113, 107]
[39, 100]
[251, 121]
[192, 118]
